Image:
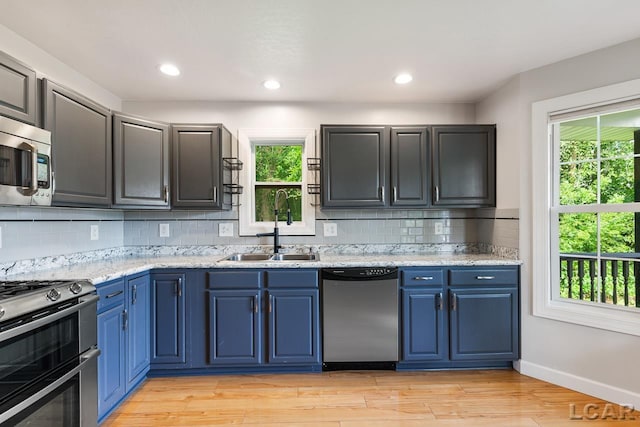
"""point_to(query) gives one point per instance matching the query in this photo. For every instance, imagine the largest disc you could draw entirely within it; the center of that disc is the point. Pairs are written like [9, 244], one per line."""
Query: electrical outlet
[164, 230]
[438, 228]
[330, 229]
[225, 229]
[95, 232]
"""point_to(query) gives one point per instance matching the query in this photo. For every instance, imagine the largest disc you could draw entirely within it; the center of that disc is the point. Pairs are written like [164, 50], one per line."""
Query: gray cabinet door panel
[464, 171]
[197, 165]
[17, 90]
[141, 162]
[81, 147]
[410, 166]
[354, 166]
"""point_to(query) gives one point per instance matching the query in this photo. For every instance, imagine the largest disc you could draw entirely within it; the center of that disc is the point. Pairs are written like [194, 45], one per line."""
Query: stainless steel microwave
[25, 164]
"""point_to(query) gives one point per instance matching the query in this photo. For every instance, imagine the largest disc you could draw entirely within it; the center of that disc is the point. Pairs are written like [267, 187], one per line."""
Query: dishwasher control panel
[360, 273]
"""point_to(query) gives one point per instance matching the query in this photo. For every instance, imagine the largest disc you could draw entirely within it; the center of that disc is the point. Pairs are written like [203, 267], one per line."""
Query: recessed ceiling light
[271, 84]
[403, 78]
[169, 70]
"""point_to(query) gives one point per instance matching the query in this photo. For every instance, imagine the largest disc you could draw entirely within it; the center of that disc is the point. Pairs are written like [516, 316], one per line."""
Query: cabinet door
[423, 325]
[80, 146]
[197, 166]
[235, 327]
[484, 324]
[138, 330]
[17, 90]
[354, 166]
[464, 165]
[410, 170]
[168, 317]
[293, 326]
[141, 162]
[111, 362]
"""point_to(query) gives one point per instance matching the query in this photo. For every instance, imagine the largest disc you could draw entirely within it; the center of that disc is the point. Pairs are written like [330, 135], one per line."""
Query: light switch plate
[164, 230]
[330, 229]
[438, 228]
[225, 229]
[95, 232]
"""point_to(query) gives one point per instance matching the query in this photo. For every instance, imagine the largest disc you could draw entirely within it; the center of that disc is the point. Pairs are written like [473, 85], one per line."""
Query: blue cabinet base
[134, 386]
[266, 369]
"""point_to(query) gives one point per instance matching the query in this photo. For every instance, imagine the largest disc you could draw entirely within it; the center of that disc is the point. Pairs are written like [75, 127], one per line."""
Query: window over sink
[276, 160]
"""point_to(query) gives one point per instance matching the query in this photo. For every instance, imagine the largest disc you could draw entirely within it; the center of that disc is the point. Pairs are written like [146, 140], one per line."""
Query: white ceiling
[320, 50]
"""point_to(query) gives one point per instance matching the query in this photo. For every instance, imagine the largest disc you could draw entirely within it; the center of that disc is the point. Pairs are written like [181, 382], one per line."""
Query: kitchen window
[277, 160]
[586, 199]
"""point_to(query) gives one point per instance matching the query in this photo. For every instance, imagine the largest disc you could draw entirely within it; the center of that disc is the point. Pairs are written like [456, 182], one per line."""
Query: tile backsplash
[38, 232]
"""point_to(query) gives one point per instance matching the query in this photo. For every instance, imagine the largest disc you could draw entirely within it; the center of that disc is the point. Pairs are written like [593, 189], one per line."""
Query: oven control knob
[75, 287]
[53, 295]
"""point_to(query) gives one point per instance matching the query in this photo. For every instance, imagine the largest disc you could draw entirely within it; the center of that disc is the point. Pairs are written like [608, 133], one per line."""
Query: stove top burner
[11, 289]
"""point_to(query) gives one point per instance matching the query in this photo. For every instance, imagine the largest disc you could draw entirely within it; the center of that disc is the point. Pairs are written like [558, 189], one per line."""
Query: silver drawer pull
[423, 278]
[115, 294]
[485, 277]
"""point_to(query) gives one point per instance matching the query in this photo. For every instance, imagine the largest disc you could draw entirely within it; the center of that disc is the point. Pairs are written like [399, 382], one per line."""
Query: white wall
[51, 68]
[269, 115]
[594, 361]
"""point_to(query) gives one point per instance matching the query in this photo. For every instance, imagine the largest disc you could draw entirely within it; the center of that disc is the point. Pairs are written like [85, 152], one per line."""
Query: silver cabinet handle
[215, 194]
[437, 193]
[166, 194]
[115, 294]
[485, 277]
[270, 303]
[134, 294]
[453, 302]
[439, 301]
[395, 194]
[382, 194]
[255, 303]
[125, 320]
[179, 287]
[423, 278]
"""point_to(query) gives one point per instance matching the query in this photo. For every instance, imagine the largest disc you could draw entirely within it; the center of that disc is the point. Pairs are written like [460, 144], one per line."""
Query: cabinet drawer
[489, 276]
[111, 294]
[234, 279]
[292, 278]
[422, 277]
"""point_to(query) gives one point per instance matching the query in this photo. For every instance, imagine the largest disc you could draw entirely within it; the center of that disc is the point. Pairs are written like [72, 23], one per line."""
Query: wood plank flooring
[365, 398]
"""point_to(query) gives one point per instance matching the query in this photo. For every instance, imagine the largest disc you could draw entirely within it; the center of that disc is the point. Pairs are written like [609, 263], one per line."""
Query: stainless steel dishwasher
[360, 317]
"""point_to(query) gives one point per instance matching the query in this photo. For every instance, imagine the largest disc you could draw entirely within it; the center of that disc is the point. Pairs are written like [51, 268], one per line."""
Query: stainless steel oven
[48, 354]
[25, 164]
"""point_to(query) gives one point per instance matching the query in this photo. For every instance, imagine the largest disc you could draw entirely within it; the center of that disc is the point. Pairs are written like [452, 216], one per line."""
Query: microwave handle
[33, 189]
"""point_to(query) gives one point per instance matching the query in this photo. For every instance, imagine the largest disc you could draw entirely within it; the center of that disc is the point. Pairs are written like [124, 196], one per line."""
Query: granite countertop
[113, 268]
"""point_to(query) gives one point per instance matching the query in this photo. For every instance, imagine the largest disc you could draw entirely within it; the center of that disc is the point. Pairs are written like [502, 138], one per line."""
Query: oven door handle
[19, 330]
[85, 358]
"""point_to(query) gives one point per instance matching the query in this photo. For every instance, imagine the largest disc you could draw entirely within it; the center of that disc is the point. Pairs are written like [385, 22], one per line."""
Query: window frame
[545, 286]
[247, 140]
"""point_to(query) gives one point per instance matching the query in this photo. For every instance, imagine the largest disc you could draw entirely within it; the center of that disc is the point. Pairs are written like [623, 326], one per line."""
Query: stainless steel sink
[295, 257]
[248, 257]
[272, 257]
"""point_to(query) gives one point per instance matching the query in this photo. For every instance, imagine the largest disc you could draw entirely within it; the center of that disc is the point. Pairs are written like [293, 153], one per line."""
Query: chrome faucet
[276, 233]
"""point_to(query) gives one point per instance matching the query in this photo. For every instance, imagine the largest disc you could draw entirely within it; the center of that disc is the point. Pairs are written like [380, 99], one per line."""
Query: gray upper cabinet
[81, 147]
[410, 166]
[464, 165]
[198, 173]
[141, 162]
[354, 171]
[17, 90]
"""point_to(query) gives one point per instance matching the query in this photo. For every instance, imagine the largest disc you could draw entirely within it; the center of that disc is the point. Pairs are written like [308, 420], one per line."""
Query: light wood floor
[364, 398]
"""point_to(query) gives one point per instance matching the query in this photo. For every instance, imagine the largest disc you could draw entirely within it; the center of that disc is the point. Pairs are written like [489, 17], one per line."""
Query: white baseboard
[583, 385]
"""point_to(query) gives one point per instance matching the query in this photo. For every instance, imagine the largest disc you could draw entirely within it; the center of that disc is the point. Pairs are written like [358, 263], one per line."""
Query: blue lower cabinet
[235, 327]
[111, 362]
[484, 324]
[168, 324]
[293, 326]
[138, 336]
[423, 325]
[123, 338]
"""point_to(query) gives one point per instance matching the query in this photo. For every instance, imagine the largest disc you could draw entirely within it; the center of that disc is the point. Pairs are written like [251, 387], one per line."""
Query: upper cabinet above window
[17, 90]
